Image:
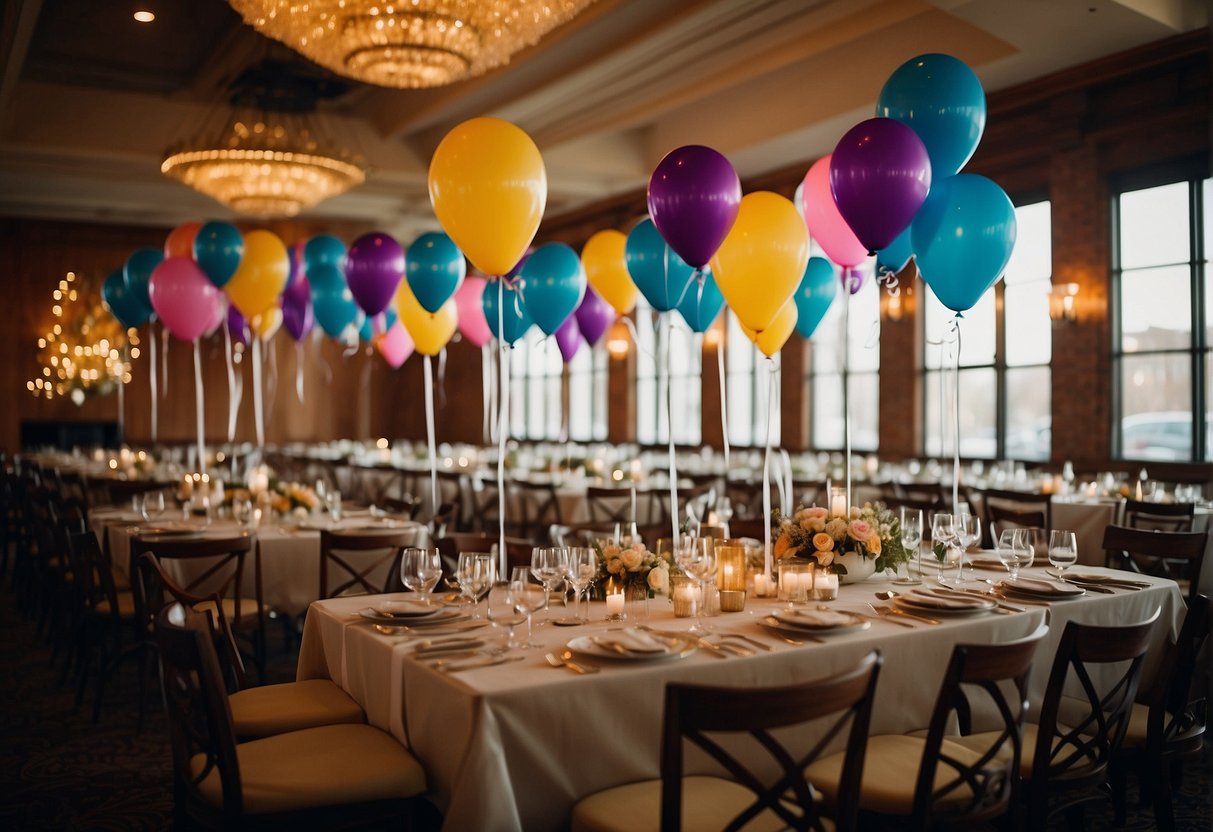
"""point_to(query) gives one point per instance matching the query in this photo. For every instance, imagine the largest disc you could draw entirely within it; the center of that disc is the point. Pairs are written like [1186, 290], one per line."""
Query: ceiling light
[409, 43]
[145, 16]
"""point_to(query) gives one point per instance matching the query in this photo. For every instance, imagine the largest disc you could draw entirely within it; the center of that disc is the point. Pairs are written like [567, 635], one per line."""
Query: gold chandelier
[265, 164]
[407, 43]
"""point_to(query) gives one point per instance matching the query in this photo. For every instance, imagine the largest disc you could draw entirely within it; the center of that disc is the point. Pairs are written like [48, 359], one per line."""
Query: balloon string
[299, 371]
[766, 482]
[724, 410]
[153, 379]
[956, 425]
[271, 381]
[233, 404]
[887, 278]
[164, 362]
[486, 394]
[669, 419]
[631, 327]
[122, 397]
[258, 413]
[503, 425]
[846, 398]
[199, 407]
[697, 277]
[442, 379]
[782, 473]
[429, 432]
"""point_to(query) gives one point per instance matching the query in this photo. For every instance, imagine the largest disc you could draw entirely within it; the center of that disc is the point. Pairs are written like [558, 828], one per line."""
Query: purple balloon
[374, 266]
[568, 338]
[236, 325]
[594, 317]
[852, 279]
[694, 196]
[880, 174]
[297, 314]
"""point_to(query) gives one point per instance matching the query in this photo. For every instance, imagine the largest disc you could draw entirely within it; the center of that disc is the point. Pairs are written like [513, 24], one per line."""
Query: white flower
[632, 559]
[659, 579]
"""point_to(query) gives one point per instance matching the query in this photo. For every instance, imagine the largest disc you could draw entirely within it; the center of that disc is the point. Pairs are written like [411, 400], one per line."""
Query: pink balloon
[472, 322]
[395, 345]
[825, 223]
[220, 317]
[186, 301]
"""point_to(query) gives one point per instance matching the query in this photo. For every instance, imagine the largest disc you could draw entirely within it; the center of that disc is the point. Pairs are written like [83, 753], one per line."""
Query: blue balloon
[963, 237]
[701, 303]
[896, 255]
[218, 248]
[138, 271]
[121, 303]
[942, 100]
[367, 331]
[332, 302]
[515, 317]
[552, 284]
[323, 250]
[434, 268]
[660, 274]
[813, 296]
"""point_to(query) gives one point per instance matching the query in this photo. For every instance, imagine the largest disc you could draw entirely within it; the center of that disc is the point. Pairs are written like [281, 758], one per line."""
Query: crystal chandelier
[408, 43]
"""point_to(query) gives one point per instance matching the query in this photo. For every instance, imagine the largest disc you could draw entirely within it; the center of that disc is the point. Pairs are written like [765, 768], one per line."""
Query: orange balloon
[180, 242]
[777, 332]
[606, 268]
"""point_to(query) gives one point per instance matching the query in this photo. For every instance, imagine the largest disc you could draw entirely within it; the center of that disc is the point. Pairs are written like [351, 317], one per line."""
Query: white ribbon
[271, 381]
[956, 418]
[766, 480]
[503, 426]
[154, 377]
[487, 394]
[669, 419]
[846, 398]
[724, 410]
[299, 371]
[234, 394]
[122, 398]
[258, 412]
[199, 407]
[164, 361]
[429, 432]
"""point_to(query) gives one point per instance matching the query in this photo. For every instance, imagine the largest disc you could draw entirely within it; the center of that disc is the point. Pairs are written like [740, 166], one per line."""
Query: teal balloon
[332, 302]
[515, 318]
[138, 271]
[552, 284]
[323, 250]
[963, 238]
[896, 255]
[122, 305]
[942, 100]
[435, 268]
[660, 274]
[367, 331]
[218, 248]
[817, 290]
[702, 303]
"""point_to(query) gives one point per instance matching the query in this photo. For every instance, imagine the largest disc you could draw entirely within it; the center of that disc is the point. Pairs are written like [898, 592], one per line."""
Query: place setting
[634, 645]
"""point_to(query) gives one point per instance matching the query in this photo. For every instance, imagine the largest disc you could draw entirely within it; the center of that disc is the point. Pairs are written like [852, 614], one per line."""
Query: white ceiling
[769, 83]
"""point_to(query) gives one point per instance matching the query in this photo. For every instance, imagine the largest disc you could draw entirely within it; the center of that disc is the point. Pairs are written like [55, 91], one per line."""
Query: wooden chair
[609, 505]
[746, 498]
[583, 534]
[1168, 722]
[325, 777]
[1015, 510]
[1158, 517]
[929, 491]
[808, 493]
[940, 779]
[539, 506]
[356, 579]
[1175, 555]
[694, 713]
[929, 509]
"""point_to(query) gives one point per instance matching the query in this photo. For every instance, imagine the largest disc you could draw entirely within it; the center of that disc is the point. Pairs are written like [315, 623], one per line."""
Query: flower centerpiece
[871, 534]
[638, 569]
[293, 498]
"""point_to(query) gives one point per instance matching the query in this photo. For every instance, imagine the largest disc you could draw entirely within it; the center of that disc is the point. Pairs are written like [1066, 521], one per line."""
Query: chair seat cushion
[983, 740]
[276, 709]
[1135, 734]
[248, 610]
[328, 766]
[708, 803]
[126, 605]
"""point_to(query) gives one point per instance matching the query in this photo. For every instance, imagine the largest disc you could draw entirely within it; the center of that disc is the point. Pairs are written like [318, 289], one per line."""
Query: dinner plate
[406, 609]
[820, 621]
[928, 602]
[597, 646]
[1085, 577]
[1036, 588]
[442, 616]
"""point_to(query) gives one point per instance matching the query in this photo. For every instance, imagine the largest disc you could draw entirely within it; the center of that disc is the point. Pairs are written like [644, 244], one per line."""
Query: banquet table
[514, 746]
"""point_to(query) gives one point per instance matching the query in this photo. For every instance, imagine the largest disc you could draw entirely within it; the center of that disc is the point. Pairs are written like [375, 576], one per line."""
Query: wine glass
[1063, 550]
[332, 501]
[528, 599]
[151, 506]
[1015, 550]
[724, 513]
[503, 610]
[581, 570]
[474, 572]
[967, 527]
[697, 558]
[911, 540]
[548, 566]
[420, 570]
[943, 535]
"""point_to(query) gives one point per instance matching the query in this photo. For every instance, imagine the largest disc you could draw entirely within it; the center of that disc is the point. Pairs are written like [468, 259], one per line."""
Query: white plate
[443, 616]
[819, 621]
[586, 646]
[1041, 590]
[795, 629]
[406, 609]
[921, 604]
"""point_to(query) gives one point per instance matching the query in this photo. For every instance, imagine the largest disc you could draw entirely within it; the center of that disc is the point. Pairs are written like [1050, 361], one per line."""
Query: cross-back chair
[362, 574]
[1176, 555]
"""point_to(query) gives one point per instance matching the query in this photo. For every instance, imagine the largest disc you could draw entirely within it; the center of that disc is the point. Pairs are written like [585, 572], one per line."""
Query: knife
[1088, 586]
[492, 661]
[687, 638]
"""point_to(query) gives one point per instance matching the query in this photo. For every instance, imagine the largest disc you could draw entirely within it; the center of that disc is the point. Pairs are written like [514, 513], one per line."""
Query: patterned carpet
[60, 771]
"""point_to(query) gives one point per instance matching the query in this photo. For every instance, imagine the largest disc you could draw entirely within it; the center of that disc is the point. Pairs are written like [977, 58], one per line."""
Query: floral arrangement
[870, 532]
[293, 497]
[635, 566]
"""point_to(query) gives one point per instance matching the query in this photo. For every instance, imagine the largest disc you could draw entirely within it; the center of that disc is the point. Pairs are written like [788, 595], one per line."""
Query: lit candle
[825, 588]
[838, 505]
[763, 585]
[730, 577]
[614, 603]
[686, 597]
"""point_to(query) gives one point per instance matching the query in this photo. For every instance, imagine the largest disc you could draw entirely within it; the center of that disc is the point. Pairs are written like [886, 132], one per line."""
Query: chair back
[540, 507]
[1175, 555]
[1158, 517]
[1001, 672]
[1014, 510]
[1177, 699]
[694, 712]
[931, 492]
[95, 573]
[929, 509]
[364, 574]
[220, 570]
[745, 496]
[609, 505]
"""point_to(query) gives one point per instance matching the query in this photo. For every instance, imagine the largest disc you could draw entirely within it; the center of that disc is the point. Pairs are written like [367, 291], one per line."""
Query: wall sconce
[893, 308]
[1063, 304]
[617, 340]
[713, 336]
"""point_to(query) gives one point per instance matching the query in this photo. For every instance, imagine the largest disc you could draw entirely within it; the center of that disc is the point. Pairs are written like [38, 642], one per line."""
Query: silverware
[777, 627]
[999, 607]
[565, 659]
[891, 611]
[687, 638]
[1090, 587]
[492, 661]
[877, 616]
[728, 647]
[751, 641]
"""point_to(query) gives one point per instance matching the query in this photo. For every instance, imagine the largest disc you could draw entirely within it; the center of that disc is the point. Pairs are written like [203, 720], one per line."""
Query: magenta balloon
[236, 325]
[297, 314]
[183, 298]
[374, 266]
[297, 264]
[826, 225]
[594, 317]
[694, 197]
[568, 338]
[472, 322]
[395, 345]
[880, 174]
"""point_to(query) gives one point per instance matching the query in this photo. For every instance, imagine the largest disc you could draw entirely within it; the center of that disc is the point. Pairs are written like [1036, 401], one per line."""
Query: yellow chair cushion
[328, 766]
[126, 605]
[276, 709]
[707, 803]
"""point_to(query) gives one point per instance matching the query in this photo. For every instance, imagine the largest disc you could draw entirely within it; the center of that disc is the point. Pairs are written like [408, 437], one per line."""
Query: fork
[892, 616]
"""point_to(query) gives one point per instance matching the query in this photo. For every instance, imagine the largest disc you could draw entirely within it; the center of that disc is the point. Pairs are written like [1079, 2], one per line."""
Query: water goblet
[548, 565]
[1015, 550]
[332, 501]
[697, 558]
[474, 572]
[943, 536]
[1063, 550]
[503, 610]
[911, 541]
[528, 599]
[420, 569]
[967, 528]
[581, 570]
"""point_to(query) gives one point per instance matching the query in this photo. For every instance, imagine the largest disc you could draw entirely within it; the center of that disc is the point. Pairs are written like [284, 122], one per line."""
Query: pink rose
[861, 530]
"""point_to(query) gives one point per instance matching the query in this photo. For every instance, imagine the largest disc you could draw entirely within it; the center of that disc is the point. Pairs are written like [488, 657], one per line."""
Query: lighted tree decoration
[85, 352]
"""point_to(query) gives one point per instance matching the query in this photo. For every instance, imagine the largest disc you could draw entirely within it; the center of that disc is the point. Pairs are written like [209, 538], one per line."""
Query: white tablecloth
[515, 746]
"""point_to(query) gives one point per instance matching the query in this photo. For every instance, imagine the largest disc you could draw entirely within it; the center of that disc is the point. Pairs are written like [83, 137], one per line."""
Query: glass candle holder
[730, 577]
[685, 594]
[838, 502]
[825, 587]
[795, 581]
[615, 601]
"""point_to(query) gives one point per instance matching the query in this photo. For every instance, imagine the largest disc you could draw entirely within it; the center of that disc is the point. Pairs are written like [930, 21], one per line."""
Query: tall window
[652, 426]
[860, 379]
[1006, 347]
[535, 368]
[746, 371]
[1161, 353]
[588, 394]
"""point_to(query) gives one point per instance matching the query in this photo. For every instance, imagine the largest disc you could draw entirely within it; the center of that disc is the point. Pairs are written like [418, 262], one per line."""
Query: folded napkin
[404, 609]
[639, 642]
[1035, 586]
[986, 561]
[816, 618]
[945, 600]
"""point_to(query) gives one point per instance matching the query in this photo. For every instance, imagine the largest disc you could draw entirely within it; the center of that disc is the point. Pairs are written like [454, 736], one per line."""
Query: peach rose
[822, 542]
[825, 558]
[631, 559]
[659, 580]
[873, 544]
[814, 513]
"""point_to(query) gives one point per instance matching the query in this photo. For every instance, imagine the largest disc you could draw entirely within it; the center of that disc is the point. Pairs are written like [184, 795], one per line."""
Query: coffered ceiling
[90, 99]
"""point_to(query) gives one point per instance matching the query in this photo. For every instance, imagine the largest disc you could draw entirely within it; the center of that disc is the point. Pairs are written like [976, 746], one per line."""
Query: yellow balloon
[265, 326]
[762, 260]
[772, 339]
[430, 332]
[261, 276]
[606, 268]
[488, 187]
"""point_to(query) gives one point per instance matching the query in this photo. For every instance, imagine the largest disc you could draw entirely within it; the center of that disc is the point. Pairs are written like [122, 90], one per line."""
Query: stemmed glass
[943, 533]
[724, 513]
[151, 505]
[1015, 550]
[332, 501]
[420, 570]
[967, 528]
[697, 558]
[911, 540]
[581, 570]
[1063, 550]
[548, 565]
[474, 572]
[528, 599]
[503, 609]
